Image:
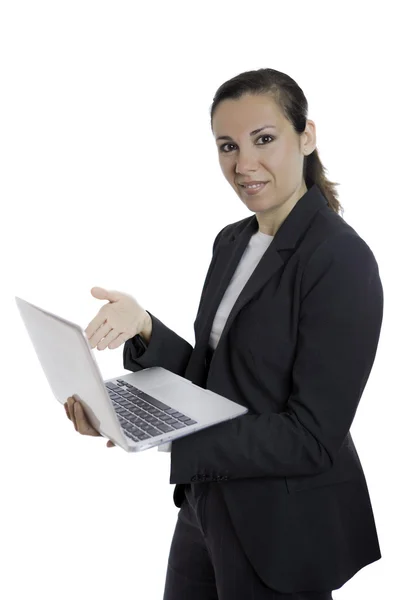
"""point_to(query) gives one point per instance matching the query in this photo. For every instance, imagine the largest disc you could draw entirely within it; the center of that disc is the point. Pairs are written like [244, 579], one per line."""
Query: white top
[255, 249]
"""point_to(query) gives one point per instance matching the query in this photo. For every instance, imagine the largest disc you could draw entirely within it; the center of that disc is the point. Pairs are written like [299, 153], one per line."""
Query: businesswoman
[273, 504]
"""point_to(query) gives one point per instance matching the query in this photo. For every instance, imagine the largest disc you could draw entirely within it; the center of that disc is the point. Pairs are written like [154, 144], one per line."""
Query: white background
[110, 177]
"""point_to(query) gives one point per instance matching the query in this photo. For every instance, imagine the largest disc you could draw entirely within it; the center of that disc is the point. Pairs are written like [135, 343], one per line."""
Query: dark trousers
[206, 560]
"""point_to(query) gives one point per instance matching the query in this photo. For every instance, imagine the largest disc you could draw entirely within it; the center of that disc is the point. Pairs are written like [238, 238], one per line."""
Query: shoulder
[334, 238]
[343, 265]
[330, 238]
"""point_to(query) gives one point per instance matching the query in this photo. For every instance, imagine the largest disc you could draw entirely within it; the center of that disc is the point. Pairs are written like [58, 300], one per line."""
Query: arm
[338, 332]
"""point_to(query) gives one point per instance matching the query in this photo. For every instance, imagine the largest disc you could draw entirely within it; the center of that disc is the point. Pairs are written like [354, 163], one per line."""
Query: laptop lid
[69, 364]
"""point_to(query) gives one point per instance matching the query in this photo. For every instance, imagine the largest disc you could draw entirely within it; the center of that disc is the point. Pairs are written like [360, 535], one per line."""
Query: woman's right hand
[117, 321]
[76, 414]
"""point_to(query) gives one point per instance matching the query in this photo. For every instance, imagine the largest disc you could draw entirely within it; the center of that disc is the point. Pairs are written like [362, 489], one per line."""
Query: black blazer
[297, 350]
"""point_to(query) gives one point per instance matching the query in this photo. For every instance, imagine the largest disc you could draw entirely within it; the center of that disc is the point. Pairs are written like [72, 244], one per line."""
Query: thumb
[103, 294]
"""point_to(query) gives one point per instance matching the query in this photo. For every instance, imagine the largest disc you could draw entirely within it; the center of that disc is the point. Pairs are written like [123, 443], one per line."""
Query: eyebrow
[227, 137]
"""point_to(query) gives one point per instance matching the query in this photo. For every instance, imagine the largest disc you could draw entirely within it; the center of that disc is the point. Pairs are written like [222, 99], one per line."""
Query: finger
[71, 402]
[110, 444]
[95, 329]
[119, 340]
[99, 292]
[103, 294]
[83, 425]
[67, 411]
[102, 332]
[93, 326]
[110, 337]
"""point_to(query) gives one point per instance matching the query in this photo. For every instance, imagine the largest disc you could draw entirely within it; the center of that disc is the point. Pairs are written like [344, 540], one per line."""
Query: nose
[246, 162]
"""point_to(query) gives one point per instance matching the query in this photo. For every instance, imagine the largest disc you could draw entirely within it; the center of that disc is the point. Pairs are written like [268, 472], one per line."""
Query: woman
[273, 504]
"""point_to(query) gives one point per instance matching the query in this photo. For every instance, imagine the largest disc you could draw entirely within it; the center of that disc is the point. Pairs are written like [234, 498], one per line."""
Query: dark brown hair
[293, 103]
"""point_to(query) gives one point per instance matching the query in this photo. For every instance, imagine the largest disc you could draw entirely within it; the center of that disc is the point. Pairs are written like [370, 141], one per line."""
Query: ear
[309, 138]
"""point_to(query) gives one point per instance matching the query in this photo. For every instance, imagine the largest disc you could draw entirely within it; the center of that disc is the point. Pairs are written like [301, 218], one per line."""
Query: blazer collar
[292, 228]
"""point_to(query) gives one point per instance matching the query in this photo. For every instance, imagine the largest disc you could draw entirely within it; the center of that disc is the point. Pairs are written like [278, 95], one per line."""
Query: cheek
[284, 156]
[227, 170]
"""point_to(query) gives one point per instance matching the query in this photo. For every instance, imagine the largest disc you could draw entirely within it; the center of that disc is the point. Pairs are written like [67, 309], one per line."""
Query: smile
[253, 189]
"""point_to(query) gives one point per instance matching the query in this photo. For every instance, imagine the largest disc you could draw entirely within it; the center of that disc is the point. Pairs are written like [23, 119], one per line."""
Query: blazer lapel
[230, 250]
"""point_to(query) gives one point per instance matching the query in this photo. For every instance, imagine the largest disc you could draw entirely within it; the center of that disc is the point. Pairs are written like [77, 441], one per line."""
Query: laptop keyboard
[142, 416]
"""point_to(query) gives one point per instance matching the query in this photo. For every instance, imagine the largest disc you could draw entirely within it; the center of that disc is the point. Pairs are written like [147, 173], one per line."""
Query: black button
[164, 427]
[177, 425]
[153, 432]
[112, 386]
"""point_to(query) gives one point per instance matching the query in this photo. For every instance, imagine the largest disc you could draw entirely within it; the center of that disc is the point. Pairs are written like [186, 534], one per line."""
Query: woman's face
[274, 155]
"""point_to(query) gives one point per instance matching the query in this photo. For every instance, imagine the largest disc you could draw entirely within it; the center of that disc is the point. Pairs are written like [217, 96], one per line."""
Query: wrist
[147, 328]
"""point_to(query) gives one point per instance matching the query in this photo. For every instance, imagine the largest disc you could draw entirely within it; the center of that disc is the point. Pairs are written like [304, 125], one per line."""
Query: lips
[250, 191]
[243, 184]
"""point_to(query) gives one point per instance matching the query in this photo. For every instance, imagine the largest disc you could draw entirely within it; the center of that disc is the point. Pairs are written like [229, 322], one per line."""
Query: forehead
[246, 113]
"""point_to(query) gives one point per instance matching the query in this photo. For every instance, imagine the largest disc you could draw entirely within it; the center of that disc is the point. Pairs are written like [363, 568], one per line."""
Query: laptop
[136, 411]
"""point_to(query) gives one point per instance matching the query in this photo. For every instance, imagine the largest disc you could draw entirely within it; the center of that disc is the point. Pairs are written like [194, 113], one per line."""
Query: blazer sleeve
[165, 349]
[338, 332]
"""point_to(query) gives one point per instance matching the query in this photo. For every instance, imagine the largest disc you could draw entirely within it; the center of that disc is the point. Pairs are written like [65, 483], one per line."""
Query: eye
[230, 144]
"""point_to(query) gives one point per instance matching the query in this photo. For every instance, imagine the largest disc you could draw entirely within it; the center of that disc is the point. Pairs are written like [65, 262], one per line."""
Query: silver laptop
[137, 410]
